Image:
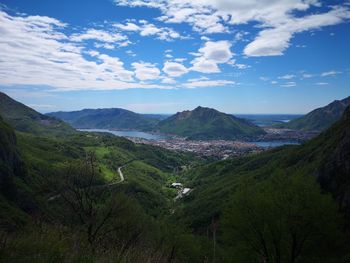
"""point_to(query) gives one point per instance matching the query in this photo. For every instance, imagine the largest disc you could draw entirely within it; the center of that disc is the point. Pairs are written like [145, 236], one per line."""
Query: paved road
[122, 179]
[121, 174]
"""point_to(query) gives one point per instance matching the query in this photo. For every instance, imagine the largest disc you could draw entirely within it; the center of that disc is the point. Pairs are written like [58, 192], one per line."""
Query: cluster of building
[212, 148]
[181, 190]
[287, 134]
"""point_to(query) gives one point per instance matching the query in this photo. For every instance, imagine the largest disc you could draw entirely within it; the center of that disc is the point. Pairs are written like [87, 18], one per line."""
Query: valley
[272, 137]
[82, 181]
[174, 131]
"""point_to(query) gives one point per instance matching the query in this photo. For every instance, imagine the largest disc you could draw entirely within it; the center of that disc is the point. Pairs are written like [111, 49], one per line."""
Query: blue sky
[164, 56]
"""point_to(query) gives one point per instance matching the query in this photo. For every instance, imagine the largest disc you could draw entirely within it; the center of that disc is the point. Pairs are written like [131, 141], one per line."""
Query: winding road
[120, 173]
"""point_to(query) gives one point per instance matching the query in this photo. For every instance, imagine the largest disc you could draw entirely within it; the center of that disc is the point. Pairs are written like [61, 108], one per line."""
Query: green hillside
[71, 185]
[56, 167]
[14, 196]
[25, 119]
[205, 123]
[255, 189]
[106, 119]
[62, 200]
[326, 158]
[319, 119]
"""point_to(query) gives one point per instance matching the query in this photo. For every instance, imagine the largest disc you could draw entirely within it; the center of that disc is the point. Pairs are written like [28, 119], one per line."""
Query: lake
[263, 120]
[272, 144]
[136, 134]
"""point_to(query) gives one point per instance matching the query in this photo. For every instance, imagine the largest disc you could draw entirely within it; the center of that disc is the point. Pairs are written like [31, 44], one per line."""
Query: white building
[176, 185]
[186, 191]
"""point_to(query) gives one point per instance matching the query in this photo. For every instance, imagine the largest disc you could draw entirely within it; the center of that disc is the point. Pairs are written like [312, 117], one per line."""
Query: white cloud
[289, 84]
[148, 29]
[287, 76]
[277, 19]
[99, 35]
[166, 80]
[239, 36]
[174, 69]
[198, 79]
[93, 53]
[330, 73]
[198, 15]
[204, 66]
[180, 59]
[241, 66]
[210, 55]
[321, 83]
[104, 45]
[34, 51]
[218, 51]
[207, 83]
[130, 53]
[264, 78]
[274, 41]
[146, 71]
[307, 76]
[128, 27]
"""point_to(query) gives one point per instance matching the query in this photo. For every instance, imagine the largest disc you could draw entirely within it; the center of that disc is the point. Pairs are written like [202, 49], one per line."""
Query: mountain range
[200, 123]
[320, 118]
[113, 118]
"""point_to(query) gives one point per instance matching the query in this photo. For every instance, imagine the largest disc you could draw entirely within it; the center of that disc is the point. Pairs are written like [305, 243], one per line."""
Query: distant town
[223, 148]
[213, 148]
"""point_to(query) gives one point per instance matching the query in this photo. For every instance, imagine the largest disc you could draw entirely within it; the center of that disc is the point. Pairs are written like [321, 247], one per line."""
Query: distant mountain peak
[320, 118]
[208, 123]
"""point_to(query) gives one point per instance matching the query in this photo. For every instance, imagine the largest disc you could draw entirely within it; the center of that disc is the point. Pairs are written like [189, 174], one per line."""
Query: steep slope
[321, 118]
[106, 119]
[10, 162]
[206, 123]
[25, 119]
[326, 157]
[12, 171]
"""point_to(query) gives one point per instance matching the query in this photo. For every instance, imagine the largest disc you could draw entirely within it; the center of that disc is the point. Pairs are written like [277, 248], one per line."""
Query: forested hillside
[208, 124]
[321, 118]
[107, 119]
[57, 191]
[295, 177]
[25, 119]
[112, 197]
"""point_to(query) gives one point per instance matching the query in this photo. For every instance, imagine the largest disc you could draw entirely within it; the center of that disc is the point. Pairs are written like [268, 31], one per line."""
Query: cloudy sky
[163, 56]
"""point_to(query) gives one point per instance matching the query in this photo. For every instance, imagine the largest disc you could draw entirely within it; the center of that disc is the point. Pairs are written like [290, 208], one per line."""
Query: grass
[107, 173]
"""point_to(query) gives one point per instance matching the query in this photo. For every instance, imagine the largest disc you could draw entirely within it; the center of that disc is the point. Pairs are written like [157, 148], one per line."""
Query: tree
[82, 194]
[282, 219]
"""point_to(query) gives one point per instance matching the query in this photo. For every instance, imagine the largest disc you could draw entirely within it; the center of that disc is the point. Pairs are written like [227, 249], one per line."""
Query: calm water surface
[272, 144]
[136, 134]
